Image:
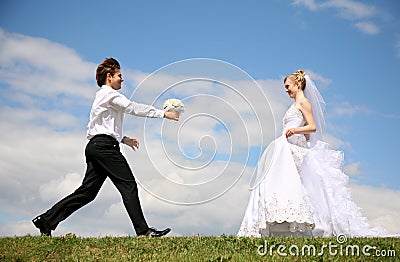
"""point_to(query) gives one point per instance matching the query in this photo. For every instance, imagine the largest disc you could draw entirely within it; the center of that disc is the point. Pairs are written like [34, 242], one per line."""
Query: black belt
[104, 136]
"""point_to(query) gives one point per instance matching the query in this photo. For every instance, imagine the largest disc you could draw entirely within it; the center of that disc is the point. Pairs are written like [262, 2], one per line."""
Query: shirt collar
[107, 87]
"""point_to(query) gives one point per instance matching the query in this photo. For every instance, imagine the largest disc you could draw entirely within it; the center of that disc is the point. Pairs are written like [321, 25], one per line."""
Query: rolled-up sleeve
[133, 108]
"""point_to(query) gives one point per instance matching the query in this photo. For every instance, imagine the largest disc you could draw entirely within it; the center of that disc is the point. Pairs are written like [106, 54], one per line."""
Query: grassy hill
[197, 248]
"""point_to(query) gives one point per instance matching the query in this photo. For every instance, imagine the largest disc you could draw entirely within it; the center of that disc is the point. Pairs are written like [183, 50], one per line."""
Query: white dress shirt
[107, 113]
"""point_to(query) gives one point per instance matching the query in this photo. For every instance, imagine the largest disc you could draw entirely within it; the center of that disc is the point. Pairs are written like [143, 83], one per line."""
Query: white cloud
[58, 188]
[320, 81]
[367, 27]
[41, 162]
[334, 142]
[347, 109]
[352, 169]
[41, 68]
[378, 205]
[54, 159]
[310, 4]
[349, 10]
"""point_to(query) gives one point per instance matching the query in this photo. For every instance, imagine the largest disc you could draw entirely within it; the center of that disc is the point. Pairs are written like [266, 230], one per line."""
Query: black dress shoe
[41, 224]
[152, 232]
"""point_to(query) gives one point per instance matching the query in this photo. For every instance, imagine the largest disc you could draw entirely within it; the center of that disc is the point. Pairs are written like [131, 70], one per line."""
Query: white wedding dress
[302, 191]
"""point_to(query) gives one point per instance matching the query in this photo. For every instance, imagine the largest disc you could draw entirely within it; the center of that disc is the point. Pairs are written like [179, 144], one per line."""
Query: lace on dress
[297, 142]
[278, 205]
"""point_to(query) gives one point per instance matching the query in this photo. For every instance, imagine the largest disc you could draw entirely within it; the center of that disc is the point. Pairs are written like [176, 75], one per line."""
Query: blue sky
[351, 47]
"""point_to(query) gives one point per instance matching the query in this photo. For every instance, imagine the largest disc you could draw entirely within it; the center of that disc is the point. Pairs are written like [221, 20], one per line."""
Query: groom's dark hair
[109, 65]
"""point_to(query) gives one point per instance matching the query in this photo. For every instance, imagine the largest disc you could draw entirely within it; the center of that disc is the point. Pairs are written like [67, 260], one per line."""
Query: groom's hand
[132, 142]
[172, 115]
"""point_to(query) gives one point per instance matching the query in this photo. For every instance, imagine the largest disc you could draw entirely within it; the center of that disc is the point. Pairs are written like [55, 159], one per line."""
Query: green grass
[195, 248]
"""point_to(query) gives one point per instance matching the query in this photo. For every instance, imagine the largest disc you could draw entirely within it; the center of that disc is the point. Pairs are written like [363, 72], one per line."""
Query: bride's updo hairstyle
[299, 77]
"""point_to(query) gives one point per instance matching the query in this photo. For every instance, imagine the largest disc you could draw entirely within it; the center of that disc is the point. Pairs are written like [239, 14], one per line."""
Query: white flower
[173, 104]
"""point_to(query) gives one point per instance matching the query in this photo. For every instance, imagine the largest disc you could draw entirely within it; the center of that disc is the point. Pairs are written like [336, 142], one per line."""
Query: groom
[103, 156]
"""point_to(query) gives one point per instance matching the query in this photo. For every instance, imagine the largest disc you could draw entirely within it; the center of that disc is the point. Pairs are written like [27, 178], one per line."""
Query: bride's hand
[290, 132]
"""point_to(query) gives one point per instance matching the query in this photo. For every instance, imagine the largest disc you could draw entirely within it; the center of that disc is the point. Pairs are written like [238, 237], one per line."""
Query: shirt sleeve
[133, 108]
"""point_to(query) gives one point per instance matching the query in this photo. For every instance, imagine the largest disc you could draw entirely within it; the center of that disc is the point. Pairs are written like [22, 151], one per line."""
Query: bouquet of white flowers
[173, 104]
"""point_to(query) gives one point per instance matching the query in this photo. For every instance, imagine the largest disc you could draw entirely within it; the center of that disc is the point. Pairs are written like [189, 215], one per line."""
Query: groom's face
[116, 80]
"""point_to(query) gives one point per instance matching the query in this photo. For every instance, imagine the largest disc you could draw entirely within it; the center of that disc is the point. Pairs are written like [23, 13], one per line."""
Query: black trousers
[103, 159]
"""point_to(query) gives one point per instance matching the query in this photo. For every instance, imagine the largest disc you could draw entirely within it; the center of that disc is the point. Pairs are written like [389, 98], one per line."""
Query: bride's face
[291, 87]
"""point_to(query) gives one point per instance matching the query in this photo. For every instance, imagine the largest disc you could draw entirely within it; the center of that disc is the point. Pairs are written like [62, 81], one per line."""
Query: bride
[300, 188]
